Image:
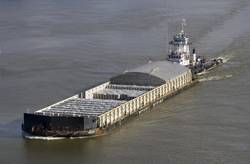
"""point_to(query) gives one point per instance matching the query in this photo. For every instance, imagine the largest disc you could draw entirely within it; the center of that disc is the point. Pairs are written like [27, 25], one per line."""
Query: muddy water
[50, 50]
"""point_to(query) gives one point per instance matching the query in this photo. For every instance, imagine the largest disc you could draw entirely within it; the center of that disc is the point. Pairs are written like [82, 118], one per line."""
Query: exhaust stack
[194, 56]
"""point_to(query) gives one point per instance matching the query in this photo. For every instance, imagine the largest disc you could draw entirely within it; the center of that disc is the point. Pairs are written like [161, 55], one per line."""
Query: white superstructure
[179, 51]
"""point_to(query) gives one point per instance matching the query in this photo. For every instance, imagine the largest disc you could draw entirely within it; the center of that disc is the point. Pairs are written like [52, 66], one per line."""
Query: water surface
[50, 50]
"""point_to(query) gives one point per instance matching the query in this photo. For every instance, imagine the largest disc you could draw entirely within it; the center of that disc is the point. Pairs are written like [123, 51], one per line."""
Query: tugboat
[179, 52]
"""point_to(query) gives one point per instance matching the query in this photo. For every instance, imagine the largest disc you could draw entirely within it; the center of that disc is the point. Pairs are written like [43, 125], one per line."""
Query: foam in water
[227, 57]
[60, 138]
[214, 78]
[44, 138]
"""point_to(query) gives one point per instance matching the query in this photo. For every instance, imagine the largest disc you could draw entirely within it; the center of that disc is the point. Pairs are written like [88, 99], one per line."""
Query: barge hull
[118, 100]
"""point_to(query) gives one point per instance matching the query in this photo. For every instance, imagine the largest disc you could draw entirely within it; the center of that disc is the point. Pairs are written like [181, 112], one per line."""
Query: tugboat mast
[183, 24]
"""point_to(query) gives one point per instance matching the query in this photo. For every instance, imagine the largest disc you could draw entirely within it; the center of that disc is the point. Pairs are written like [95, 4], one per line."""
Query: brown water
[52, 49]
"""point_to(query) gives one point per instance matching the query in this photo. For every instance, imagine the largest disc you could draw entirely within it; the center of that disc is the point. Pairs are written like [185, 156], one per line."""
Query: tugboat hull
[204, 66]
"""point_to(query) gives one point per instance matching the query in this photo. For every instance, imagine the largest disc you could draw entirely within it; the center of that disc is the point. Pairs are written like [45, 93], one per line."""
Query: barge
[94, 111]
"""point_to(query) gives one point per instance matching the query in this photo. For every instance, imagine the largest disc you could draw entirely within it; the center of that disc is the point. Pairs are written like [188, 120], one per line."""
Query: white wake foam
[43, 138]
[214, 78]
[227, 57]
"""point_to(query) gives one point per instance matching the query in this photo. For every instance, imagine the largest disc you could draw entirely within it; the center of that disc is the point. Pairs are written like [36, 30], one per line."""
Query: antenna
[183, 24]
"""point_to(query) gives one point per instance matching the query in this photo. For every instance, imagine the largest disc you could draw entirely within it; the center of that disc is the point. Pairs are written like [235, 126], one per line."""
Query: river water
[52, 49]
